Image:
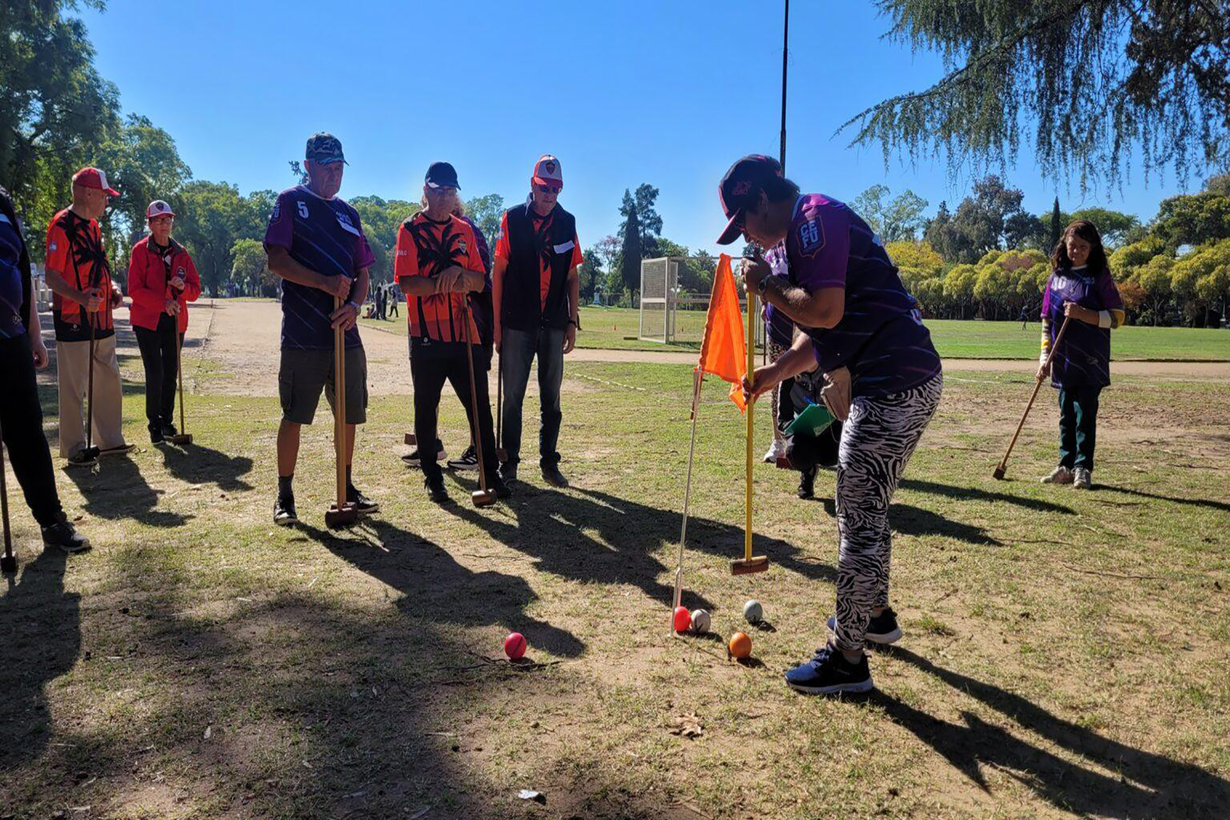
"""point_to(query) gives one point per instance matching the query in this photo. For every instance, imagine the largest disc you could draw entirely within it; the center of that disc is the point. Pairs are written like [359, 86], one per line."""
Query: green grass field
[617, 329]
[1065, 653]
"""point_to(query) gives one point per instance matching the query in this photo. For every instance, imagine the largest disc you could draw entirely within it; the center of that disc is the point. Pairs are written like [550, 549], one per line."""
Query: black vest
[23, 263]
[520, 299]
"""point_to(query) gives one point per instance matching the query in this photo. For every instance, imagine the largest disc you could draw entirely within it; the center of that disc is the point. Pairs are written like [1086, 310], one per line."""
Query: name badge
[564, 248]
[344, 221]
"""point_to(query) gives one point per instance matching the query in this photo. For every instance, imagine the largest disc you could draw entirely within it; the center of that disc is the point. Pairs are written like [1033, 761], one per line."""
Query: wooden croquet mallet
[481, 497]
[749, 563]
[342, 513]
[8, 563]
[182, 437]
[1003, 462]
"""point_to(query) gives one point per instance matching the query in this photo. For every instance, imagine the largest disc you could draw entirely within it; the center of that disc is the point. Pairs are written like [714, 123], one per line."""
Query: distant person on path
[79, 276]
[537, 296]
[392, 298]
[438, 267]
[863, 330]
[1024, 317]
[1080, 287]
[315, 243]
[21, 415]
[162, 280]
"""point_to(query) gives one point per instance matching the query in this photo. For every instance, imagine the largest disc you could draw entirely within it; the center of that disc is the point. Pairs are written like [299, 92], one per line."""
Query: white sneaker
[1060, 475]
[1082, 479]
[776, 451]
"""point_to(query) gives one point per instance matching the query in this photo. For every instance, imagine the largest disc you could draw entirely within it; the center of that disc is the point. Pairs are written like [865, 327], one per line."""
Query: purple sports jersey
[1084, 356]
[325, 236]
[881, 337]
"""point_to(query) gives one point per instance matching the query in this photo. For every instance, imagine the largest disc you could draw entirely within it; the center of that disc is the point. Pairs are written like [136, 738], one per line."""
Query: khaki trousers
[73, 370]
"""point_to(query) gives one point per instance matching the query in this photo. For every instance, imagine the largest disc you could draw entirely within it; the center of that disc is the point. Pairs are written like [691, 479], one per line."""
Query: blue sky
[664, 92]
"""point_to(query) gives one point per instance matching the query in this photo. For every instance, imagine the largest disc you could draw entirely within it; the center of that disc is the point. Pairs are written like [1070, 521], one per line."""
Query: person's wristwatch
[353, 305]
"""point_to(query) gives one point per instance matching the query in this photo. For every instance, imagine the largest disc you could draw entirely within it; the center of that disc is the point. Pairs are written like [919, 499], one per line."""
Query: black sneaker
[508, 472]
[436, 490]
[155, 434]
[413, 459]
[502, 490]
[807, 484]
[85, 458]
[362, 504]
[284, 511]
[63, 535]
[881, 629]
[168, 429]
[552, 475]
[121, 450]
[829, 673]
[468, 460]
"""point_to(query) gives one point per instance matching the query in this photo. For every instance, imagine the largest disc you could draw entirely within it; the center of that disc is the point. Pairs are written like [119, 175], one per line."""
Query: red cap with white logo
[158, 208]
[94, 178]
[548, 172]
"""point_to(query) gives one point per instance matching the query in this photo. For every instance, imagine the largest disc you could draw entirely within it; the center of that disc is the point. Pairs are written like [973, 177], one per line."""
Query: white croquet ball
[700, 621]
[753, 613]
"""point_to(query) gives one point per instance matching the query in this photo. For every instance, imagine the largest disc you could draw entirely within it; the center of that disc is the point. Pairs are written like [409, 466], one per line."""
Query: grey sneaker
[1082, 479]
[1060, 475]
[63, 535]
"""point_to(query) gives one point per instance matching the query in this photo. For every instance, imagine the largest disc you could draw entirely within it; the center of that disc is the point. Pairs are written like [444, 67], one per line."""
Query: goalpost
[659, 292]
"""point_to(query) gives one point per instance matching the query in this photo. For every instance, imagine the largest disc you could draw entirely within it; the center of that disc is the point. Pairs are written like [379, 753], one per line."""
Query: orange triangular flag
[724, 352]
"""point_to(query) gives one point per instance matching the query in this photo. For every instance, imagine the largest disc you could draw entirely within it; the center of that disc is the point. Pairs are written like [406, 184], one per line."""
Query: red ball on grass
[514, 646]
[683, 619]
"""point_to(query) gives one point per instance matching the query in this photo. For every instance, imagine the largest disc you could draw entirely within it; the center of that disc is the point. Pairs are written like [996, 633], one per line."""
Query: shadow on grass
[589, 535]
[197, 464]
[436, 588]
[115, 490]
[1193, 502]
[976, 494]
[1145, 784]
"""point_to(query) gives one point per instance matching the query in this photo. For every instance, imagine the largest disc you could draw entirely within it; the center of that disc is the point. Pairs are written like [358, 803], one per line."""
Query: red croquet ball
[683, 619]
[514, 645]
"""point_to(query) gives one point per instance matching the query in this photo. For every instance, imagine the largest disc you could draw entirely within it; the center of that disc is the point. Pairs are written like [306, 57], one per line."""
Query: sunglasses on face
[547, 189]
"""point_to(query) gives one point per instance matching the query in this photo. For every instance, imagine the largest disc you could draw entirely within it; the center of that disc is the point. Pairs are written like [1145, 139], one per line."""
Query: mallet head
[482, 498]
[8, 564]
[411, 441]
[338, 517]
[746, 566]
[999, 473]
[180, 439]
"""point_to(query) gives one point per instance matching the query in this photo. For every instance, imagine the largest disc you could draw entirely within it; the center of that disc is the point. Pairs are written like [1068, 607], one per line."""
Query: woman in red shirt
[162, 280]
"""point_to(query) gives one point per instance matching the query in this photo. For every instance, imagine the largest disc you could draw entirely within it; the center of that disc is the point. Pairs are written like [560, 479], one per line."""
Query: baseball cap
[324, 149]
[547, 171]
[745, 176]
[442, 175]
[158, 208]
[94, 178]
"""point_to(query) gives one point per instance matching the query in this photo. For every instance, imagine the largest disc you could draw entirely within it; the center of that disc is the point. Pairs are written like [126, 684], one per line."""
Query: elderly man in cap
[536, 293]
[21, 414]
[79, 276]
[162, 280]
[315, 243]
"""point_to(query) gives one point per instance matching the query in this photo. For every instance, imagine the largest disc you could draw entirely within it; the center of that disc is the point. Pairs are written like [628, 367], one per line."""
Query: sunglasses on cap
[548, 189]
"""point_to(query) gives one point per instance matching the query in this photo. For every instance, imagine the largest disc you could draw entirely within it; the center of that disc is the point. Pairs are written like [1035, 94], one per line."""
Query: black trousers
[21, 417]
[1078, 425]
[158, 356]
[429, 373]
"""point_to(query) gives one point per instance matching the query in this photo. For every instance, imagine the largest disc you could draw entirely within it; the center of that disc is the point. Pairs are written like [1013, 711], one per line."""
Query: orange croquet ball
[683, 619]
[740, 645]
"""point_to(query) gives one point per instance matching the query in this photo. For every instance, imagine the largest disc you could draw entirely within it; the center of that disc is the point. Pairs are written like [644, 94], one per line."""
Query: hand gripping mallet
[1003, 462]
[183, 437]
[482, 497]
[8, 563]
[749, 563]
[342, 513]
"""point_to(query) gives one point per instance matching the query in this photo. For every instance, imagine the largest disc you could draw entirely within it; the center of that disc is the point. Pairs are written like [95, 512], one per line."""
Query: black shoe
[86, 458]
[121, 450]
[508, 472]
[284, 511]
[502, 490]
[436, 490]
[468, 460]
[62, 534]
[362, 504]
[881, 629]
[156, 435]
[829, 673]
[168, 429]
[552, 475]
[414, 459]
[807, 484]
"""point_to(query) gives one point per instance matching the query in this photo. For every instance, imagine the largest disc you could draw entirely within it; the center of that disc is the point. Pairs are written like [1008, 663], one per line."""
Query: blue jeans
[517, 351]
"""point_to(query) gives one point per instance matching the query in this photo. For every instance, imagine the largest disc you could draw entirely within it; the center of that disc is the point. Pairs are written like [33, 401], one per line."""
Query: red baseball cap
[547, 172]
[94, 178]
[158, 208]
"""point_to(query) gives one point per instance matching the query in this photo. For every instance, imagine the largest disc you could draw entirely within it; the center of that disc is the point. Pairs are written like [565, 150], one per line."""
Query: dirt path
[242, 337]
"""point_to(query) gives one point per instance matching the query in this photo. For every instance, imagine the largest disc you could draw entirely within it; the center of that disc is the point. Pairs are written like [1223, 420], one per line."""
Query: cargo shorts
[304, 373]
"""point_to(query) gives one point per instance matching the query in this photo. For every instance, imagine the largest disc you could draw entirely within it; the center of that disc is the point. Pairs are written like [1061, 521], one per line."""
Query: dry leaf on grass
[687, 726]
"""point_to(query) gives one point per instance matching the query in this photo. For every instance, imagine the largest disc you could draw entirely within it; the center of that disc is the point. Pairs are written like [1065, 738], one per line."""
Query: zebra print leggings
[876, 443]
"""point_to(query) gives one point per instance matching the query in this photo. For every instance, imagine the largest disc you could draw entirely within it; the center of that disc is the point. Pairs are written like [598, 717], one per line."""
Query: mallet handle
[4, 501]
[474, 425]
[1003, 463]
[751, 403]
[339, 405]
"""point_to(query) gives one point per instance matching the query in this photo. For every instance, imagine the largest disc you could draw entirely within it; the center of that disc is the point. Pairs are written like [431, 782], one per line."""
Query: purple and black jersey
[881, 337]
[11, 280]
[325, 236]
[1084, 356]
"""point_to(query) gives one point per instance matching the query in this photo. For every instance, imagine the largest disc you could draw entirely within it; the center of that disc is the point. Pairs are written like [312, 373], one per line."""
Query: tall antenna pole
[785, 46]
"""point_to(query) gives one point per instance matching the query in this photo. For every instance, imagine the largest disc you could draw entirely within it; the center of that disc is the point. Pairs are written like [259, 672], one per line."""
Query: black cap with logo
[442, 175]
[746, 176]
